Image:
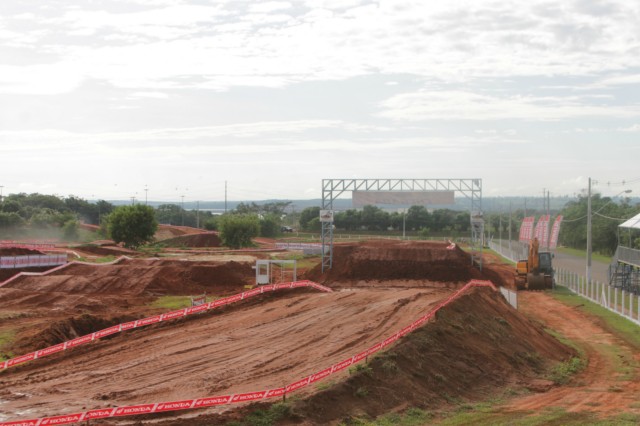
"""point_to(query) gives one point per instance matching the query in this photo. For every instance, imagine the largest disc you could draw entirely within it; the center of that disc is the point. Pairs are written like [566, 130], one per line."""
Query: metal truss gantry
[470, 188]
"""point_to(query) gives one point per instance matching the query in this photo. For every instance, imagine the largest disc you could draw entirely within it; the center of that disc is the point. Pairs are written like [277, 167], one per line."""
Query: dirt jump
[476, 346]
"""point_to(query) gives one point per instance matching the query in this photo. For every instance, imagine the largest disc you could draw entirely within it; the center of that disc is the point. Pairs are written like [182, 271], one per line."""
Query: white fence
[612, 298]
[511, 296]
[514, 251]
[32, 261]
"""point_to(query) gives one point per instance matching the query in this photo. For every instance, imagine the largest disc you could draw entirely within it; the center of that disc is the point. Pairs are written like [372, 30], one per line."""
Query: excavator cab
[536, 272]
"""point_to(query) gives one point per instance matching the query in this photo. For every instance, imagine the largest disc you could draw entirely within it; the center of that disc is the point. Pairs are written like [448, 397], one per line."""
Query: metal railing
[614, 299]
[514, 251]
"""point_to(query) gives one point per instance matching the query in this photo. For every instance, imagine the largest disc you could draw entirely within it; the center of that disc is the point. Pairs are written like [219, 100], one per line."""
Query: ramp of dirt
[205, 239]
[373, 262]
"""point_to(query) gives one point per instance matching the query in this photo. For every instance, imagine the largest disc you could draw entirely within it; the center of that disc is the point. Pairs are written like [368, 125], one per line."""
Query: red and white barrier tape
[131, 410]
[155, 319]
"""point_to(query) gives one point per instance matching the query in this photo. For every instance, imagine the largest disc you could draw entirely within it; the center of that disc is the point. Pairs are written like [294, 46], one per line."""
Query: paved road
[578, 264]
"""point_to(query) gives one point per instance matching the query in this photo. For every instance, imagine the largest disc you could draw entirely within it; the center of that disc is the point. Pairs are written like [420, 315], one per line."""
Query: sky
[170, 99]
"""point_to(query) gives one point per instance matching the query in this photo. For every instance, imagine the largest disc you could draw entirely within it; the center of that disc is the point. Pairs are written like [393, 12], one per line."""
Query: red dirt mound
[79, 284]
[63, 330]
[15, 251]
[377, 261]
[205, 239]
[477, 348]
[105, 250]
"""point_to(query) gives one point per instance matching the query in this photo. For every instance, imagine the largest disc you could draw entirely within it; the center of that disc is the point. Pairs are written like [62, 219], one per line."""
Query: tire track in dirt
[226, 353]
[609, 383]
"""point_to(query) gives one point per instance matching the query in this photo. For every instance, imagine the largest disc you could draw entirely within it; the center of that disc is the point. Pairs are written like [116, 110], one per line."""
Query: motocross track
[475, 348]
[609, 384]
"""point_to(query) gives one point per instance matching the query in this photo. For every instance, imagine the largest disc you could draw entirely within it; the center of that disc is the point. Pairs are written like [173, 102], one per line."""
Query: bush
[269, 226]
[237, 230]
[70, 230]
[132, 225]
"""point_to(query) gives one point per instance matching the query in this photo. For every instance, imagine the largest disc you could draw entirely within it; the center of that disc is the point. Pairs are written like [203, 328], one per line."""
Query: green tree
[270, 226]
[10, 220]
[417, 218]
[307, 215]
[132, 225]
[237, 230]
[70, 230]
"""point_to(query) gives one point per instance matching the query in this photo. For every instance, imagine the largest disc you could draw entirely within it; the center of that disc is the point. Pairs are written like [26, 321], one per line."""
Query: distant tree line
[417, 219]
[606, 216]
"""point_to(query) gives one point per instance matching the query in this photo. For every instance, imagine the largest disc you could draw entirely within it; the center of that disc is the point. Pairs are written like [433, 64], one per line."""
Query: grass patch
[411, 417]
[583, 254]
[171, 302]
[360, 368]
[614, 323]
[6, 337]
[266, 417]
[502, 258]
[550, 416]
[562, 372]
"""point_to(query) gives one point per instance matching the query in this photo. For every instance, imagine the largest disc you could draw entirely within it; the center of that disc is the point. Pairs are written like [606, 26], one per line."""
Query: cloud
[279, 43]
[464, 105]
[635, 128]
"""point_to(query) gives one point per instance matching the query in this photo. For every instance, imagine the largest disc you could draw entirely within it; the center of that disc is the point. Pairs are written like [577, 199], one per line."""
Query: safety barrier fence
[75, 262]
[514, 251]
[26, 245]
[211, 401]
[32, 261]
[609, 297]
[88, 338]
[511, 296]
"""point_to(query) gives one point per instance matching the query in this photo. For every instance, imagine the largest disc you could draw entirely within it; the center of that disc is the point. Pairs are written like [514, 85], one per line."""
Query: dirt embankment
[374, 262]
[86, 298]
[477, 347]
[205, 239]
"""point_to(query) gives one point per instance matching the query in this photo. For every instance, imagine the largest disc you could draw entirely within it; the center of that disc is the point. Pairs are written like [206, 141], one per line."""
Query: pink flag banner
[555, 232]
[526, 229]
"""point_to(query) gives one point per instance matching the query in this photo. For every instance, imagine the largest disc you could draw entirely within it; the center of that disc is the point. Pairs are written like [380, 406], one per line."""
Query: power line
[624, 182]
[612, 218]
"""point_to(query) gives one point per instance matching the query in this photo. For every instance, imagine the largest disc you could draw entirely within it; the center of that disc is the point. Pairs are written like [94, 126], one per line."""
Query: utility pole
[225, 196]
[589, 232]
[182, 207]
[548, 236]
[509, 225]
[197, 214]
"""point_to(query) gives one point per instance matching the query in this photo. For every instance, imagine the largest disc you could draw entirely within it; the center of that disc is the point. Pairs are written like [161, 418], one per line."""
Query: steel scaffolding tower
[470, 188]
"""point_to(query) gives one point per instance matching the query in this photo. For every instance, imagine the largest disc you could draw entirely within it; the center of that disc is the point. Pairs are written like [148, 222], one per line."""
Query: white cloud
[255, 43]
[269, 6]
[633, 128]
[461, 105]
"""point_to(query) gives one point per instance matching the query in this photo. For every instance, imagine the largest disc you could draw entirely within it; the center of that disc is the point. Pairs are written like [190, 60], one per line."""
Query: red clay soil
[15, 251]
[108, 249]
[609, 383]
[251, 348]
[477, 347]
[204, 239]
[373, 262]
[40, 305]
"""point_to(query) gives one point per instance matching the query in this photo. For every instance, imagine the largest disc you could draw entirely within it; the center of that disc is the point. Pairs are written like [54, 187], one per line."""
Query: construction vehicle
[536, 272]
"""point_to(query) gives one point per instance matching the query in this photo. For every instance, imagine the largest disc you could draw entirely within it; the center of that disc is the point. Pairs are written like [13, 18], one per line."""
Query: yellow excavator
[536, 272]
